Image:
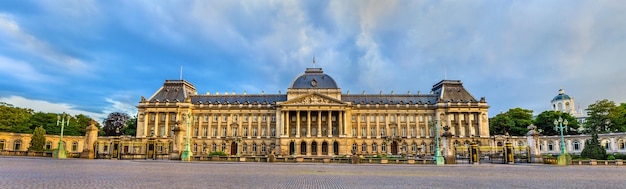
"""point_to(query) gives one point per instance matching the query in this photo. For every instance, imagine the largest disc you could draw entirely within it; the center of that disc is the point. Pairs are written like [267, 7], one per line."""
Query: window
[413, 132]
[255, 118]
[17, 145]
[414, 147]
[225, 118]
[607, 145]
[374, 147]
[334, 118]
[314, 148]
[404, 147]
[273, 118]
[392, 118]
[245, 118]
[363, 147]
[163, 117]
[354, 118]
[354, 148]
[223, 147]
[215, 118]
[293, 118]
[323, 118]
[550, 146]
[245, 146]
[213, 147]
[214, 131]
[254, 132]
[152, 116]
[74, 146]
[372, 118]
[48, 145]
[363, 118]
[245, 132]
[1, 144]
[273, 131]
[223, 131]
[206, 118]
[313, 131]
[373, 132]
[264, 118]
[393, 131]
[195, 147]
[382, 132]
[313, 118]
[353, 131]
[302, 118]
[363, 132]
[234, 131]
[382, 118]
[621, 144]
[235, 118]
[576, 145]
[263, 147]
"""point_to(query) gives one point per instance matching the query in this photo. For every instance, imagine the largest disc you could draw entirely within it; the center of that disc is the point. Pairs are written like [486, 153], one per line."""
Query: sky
[97, 57]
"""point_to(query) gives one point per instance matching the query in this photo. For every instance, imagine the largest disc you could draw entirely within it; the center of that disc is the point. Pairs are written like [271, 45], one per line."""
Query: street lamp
[187, 154]
[558, 126]
[61, 153]
[438, 157]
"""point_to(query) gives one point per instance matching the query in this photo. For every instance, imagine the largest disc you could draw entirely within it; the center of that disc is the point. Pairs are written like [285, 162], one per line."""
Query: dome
[561, 96]
[314, 78]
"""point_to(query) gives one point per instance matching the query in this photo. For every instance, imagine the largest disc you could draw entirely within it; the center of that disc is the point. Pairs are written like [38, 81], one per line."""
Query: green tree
[593, 149]
[515, 122]
[605, 117]
[131, 127]
[14, 119]
[47, 120]
[38, 139]
[545, 123]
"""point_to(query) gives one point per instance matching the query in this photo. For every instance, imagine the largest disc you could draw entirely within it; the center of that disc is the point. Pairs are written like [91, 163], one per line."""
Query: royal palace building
[314, 118]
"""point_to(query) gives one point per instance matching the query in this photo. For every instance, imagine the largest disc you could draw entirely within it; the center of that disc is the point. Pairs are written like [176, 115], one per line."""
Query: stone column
[340, 124]
[298, 124]
[319, 124]
[156, 125]
[288, 123]
[308, 126]
[167, 127]
[330, 127]
[91, 136]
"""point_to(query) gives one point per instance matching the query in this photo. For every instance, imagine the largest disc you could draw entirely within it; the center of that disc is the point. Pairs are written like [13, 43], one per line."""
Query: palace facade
[314, 118]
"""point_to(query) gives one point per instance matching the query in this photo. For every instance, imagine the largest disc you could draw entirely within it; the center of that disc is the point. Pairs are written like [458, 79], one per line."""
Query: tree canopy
[605, 116]
[515, 122]
[38, 139]
[115, 123]
[545, 123]
[23, 120]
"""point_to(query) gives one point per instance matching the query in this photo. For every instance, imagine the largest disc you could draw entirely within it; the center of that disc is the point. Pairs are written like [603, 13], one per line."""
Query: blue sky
[97, 57]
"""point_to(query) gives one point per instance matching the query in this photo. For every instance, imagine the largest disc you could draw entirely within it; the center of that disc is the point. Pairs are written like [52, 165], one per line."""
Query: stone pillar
[447, 146]
[330, 127]
[340, 124]
[179, 132]
[533, 143]
[91, 136]
[287, 124]
[298, 124]
[308, 125]
[319, 124]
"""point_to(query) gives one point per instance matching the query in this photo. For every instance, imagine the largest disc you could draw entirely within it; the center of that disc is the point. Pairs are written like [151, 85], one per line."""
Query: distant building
[565, 103]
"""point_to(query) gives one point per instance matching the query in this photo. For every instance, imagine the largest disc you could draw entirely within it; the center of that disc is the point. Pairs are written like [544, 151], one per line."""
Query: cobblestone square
[20, 172]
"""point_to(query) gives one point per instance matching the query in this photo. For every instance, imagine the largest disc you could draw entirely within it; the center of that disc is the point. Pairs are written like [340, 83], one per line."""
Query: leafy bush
[611, 157]
[218, 153]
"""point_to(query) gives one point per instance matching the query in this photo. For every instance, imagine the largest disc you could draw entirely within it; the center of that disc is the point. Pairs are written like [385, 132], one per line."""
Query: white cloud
[21, 70]
[20, 39]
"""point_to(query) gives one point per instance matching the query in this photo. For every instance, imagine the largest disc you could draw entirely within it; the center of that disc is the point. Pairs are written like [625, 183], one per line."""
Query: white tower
[564, 103]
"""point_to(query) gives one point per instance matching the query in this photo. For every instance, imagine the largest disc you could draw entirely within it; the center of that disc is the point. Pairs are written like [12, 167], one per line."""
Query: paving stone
[20, 172]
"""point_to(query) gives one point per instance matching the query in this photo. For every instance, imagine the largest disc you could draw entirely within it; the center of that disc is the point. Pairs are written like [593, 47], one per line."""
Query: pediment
[313, 99]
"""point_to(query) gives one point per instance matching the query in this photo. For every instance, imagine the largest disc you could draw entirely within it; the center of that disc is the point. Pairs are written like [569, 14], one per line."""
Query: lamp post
[558, 126]
[438, 157]
[187, 154]
[61, 153]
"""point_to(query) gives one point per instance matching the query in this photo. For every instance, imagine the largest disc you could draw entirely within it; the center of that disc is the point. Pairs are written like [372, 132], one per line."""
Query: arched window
[414, 147]
[253, 147]
[74, 146]
[314, 148]
[606, 144]
[213, 147]
[576, 145]
[245, 147]
[363, 148]
[303, 148]
[354, 150]
[550, 146]
[17, 145]
[223, 147]
[374, 147]
[48, 145]
[383, 147]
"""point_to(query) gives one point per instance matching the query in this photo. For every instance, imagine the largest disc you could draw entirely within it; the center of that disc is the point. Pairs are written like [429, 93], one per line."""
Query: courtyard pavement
[25, 172]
